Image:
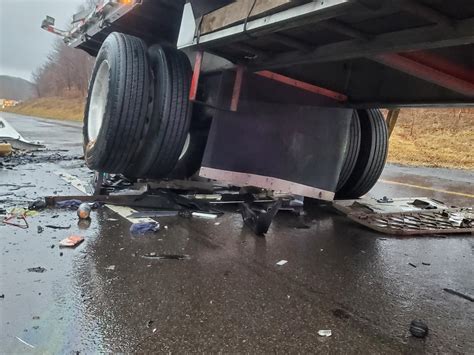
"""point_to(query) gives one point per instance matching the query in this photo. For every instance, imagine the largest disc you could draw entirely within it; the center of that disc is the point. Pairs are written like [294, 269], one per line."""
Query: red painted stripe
[302, 85]
[239, 74]
[427, 73]
[196, 73]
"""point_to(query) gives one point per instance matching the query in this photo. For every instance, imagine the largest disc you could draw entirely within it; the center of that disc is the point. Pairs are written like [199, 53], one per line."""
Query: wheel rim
[186, 146]
[100, 91]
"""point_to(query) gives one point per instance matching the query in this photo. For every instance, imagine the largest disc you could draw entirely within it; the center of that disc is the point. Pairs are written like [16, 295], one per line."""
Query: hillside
[14, 88]
[434, 137]
[61, 108]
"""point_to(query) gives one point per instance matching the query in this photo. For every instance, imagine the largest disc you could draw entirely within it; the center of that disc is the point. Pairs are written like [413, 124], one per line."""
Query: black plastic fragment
[258, 220]
[418, 329]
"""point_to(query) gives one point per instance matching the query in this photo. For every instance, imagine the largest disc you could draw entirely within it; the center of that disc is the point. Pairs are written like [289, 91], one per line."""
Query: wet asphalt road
[230, 295]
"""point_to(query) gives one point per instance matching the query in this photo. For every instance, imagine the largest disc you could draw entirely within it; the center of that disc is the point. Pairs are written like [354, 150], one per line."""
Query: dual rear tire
[138, 115]
[365, 156]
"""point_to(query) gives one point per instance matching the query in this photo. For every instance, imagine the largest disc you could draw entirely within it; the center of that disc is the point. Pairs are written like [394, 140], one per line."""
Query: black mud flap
[292, 148]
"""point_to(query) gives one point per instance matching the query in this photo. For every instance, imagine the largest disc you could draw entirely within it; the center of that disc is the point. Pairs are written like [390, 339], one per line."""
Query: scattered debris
[282, 262]
[112, 219]
[2, 295]
[40, 229]
[149, 323]
[385, 199]
[418, 329]
[24, 342]
[426, 264]
[425, 222]
[111, 268]
[5, 149]
[57, 227]
[411, 264]
[39, 269]
[152, 214]
[166, 256]
[84, 211]
[457, 293]
[37, 205]
[257, 219]
[204, 215]
[71, 241]
[74, 204]
[145, 227]
[325, 333]
[15, 187]
[18, 217]
[423, 204]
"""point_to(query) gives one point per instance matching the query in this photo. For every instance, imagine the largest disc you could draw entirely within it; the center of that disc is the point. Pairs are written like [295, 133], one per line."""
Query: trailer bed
[376, 53]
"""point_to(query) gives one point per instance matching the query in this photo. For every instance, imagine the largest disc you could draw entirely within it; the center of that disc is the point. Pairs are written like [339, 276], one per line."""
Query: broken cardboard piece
[71, 241]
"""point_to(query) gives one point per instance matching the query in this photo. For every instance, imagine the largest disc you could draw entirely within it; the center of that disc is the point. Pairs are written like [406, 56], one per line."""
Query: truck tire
[190, 159]
[170, 121]
[352, 151]
[372, 155]
[116, 113]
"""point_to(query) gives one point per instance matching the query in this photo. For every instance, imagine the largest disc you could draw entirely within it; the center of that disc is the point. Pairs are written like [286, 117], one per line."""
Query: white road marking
[73, 180]
[122, 211]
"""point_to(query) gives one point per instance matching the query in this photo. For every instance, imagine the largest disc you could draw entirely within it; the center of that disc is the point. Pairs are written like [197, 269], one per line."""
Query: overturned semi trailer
[278, 94]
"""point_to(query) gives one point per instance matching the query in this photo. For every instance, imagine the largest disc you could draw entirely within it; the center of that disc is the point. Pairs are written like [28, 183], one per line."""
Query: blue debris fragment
[74, 204]
[145, 227]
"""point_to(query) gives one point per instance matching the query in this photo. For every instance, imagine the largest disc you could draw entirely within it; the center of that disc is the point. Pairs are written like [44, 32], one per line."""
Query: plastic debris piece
[325, 332]
[411, 264]
[39, 269]
[84, 211]
[24, 342]
[418, 329]
[204, 215]
[37, 205]
[23, 225]
[111, 268]
[459, 294]
[166, 256]
[52, 226]
[71, 241]
[151, 214]
[74, 204]
[258, 219]
[40, 229]
[144, 227]
[282, 262]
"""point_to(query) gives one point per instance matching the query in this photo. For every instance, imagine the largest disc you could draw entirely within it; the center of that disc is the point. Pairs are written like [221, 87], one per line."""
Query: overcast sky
[23, 44]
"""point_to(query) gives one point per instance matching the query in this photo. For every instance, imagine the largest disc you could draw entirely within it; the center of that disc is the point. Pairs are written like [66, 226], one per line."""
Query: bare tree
[66, 70]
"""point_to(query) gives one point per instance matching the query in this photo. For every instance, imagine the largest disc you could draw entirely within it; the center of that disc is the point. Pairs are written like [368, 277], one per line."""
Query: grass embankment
[61, 108]
[434, 137]
[427, 137]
